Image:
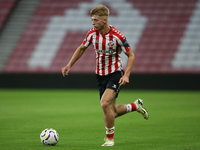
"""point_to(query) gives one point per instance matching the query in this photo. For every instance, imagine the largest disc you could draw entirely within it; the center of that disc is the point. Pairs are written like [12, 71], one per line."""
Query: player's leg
[118, 109]
[109, 115]
[111, 111]
[122, 109]
[107, 106]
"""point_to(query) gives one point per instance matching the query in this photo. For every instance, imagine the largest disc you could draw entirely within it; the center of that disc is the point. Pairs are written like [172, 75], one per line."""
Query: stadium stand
[163, 34]
[14, 26]
[6, 7]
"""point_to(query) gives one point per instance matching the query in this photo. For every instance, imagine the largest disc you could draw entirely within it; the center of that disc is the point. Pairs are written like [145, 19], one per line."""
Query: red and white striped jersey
[107, 48]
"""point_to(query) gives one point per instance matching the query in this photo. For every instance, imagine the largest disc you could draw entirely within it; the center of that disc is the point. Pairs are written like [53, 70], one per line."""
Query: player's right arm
[77, 54]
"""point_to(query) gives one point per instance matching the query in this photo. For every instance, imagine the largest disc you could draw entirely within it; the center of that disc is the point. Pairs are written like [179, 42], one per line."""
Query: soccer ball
[49, 136]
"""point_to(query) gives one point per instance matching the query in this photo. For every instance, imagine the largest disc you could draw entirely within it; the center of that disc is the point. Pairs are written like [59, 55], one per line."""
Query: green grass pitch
[174, 122]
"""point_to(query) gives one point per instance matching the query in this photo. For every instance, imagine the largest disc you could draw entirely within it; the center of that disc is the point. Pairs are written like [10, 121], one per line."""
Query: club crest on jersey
[97, 41]
[111, 44]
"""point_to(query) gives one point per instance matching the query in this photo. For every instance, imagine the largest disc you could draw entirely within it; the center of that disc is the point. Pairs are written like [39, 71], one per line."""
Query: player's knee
[105, 104]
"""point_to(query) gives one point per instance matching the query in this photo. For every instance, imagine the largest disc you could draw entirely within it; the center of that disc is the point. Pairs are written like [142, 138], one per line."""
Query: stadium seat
[6, 7]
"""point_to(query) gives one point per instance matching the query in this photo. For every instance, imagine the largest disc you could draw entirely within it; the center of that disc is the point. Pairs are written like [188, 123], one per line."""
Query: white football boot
[108, 142]
[141, 109]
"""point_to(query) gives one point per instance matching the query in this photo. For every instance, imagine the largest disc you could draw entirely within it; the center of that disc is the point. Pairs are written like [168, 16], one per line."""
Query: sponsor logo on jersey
[110, 51]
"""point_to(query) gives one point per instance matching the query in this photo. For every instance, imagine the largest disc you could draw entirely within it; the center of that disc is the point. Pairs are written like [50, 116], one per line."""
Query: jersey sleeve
[124, 44]
[122, 41]
[88, 39]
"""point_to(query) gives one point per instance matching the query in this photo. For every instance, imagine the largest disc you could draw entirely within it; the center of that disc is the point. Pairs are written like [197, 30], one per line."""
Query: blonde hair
[100, 10]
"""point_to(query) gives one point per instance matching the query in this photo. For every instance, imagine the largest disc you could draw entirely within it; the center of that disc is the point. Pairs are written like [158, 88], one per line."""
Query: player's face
[98, 22]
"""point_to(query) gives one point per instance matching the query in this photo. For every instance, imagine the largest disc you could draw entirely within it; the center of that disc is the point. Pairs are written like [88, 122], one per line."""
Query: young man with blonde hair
[108, 43]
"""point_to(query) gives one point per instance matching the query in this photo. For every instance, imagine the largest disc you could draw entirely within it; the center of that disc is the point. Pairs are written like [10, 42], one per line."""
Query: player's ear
[105, 20]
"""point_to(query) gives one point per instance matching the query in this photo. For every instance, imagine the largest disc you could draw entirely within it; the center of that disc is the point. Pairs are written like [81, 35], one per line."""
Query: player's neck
[106, 29]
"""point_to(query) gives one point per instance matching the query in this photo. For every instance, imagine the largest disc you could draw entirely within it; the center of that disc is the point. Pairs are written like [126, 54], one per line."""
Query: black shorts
[110, 81]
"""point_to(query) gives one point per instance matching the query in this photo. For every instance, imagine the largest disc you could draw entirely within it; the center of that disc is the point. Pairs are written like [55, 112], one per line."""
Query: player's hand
[65, 70]
[124, 80]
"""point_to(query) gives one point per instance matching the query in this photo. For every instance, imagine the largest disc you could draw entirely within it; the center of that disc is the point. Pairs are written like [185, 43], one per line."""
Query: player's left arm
[124, 80]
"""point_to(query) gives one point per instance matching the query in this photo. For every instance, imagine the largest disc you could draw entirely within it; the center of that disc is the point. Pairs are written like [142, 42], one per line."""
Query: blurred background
[38, 38]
